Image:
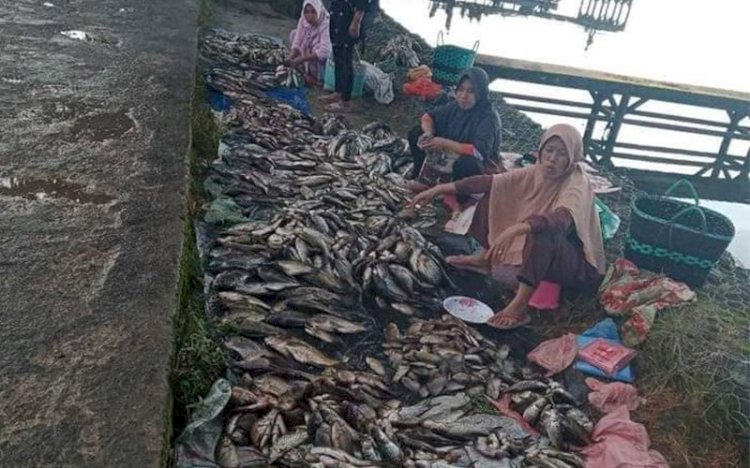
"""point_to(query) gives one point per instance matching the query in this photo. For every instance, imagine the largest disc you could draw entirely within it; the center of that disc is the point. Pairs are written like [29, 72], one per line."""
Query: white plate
[468, 309]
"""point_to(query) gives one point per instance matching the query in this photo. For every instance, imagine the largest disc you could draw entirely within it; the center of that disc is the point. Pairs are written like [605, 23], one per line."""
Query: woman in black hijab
[468, 126]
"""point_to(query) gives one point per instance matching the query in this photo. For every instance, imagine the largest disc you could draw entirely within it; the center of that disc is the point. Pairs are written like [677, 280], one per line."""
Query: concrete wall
[95, 134]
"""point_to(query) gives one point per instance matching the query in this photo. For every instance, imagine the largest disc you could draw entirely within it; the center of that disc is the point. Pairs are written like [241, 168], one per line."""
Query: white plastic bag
[379, 82]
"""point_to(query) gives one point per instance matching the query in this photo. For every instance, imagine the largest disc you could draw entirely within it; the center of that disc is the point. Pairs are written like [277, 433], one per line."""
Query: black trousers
[343, 56]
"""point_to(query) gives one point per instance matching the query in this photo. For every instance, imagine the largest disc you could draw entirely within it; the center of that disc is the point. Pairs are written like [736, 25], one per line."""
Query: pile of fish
[437, 357]
[300, 287]
[440, 357]
[281, 412]
[243, 51]
[246, 64]
[402, 49]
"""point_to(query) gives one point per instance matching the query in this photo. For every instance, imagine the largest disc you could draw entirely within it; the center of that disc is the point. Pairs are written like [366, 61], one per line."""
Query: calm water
[672, 40]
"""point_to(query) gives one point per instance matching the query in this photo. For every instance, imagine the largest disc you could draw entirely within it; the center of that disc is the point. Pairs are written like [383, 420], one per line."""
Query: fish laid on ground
[300, 351]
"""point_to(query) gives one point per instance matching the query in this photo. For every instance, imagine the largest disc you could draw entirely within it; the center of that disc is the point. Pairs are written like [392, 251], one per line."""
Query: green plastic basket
[449, 62]
[682, 240]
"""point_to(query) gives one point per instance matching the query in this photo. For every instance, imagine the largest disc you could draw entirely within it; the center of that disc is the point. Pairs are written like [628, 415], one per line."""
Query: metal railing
[614, 101]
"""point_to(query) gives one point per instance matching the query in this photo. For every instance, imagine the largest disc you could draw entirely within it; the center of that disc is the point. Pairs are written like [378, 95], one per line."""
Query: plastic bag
[607, 356]
[609, 221]
[295, 97]
[606, 329]
[423, 88]
[379, 82]
[196, 445]
[224, 211]
[619, 442]
[606, 397]
[556, 354]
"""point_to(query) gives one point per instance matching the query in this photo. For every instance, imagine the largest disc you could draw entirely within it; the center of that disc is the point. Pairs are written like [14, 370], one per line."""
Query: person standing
[345, 28]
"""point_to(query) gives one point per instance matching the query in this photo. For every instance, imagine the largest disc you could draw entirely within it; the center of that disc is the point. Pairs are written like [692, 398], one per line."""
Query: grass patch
[480, 405]
[696, 410]
[199, 360]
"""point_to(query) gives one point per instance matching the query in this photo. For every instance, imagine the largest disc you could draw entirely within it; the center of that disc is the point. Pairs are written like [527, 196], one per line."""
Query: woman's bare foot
[340, 106]
[470, 262]
[516, 314]
[328, 98]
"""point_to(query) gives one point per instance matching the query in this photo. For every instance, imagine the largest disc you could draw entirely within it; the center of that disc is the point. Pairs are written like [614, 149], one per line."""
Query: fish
[424, 267]
[532, 412]
[376, 366]
[293, 268]
[288, 319]
[389, 449]
[322, 335]
[264, 289]
[334, 324]
[524, 385]
[552, 424]
[299, 350]
[580, 418]
[226, 454]
[474, 425]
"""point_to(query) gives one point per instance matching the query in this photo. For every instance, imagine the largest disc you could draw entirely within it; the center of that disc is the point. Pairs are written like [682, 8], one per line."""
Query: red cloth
[628, 291]
[618, 442]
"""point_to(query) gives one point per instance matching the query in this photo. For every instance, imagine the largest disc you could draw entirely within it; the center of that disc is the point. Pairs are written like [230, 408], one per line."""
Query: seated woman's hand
[436, 144]
[505, 240]
[423, 198]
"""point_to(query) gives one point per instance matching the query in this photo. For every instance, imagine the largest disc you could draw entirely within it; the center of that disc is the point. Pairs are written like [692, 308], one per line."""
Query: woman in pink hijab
[537, 224]
[310, 42]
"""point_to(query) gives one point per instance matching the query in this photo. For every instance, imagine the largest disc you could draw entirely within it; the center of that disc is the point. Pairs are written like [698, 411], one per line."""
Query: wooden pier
[593, 15]
[617, 100]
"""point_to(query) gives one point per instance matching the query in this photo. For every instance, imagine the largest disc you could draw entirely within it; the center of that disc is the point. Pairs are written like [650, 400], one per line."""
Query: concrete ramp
[94, 117]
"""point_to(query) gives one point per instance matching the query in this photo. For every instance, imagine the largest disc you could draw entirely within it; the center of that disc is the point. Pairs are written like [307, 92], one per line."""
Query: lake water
[690, 42]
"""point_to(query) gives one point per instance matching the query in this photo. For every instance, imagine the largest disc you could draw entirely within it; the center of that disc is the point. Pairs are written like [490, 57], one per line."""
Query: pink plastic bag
[556, 354]
[618, 442]
[606, 397]
[611, 358]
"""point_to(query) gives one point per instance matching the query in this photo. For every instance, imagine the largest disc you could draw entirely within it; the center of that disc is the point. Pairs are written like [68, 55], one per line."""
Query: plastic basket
[329, 81]
[449, 62]
[682, 240]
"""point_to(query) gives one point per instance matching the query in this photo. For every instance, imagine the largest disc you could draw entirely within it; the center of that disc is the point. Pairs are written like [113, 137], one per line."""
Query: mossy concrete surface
[92, 166]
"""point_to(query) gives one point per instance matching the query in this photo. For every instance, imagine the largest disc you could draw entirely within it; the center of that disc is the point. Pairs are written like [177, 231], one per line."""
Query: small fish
[523, 385]
[299, 350]
[376, 366]
[552, 424]
[532, 412]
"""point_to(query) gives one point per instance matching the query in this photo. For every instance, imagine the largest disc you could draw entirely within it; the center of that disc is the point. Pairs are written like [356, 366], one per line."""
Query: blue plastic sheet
[295, 97]
[217, 100]
[606, 329]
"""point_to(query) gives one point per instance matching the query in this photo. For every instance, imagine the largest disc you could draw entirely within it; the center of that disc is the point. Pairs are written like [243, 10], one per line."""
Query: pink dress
[313, 39]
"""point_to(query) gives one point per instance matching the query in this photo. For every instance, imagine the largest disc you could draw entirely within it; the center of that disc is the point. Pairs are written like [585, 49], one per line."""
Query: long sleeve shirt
[467, 149]
[342, 14]
[559, 219]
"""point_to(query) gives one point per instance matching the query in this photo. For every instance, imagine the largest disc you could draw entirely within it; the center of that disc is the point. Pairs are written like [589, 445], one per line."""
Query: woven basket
[682, 240]
[449, 62]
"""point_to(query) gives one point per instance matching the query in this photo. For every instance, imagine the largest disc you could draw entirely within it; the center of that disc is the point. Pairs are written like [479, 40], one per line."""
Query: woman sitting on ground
[539, 222]
[310, 42]
[468, 126]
